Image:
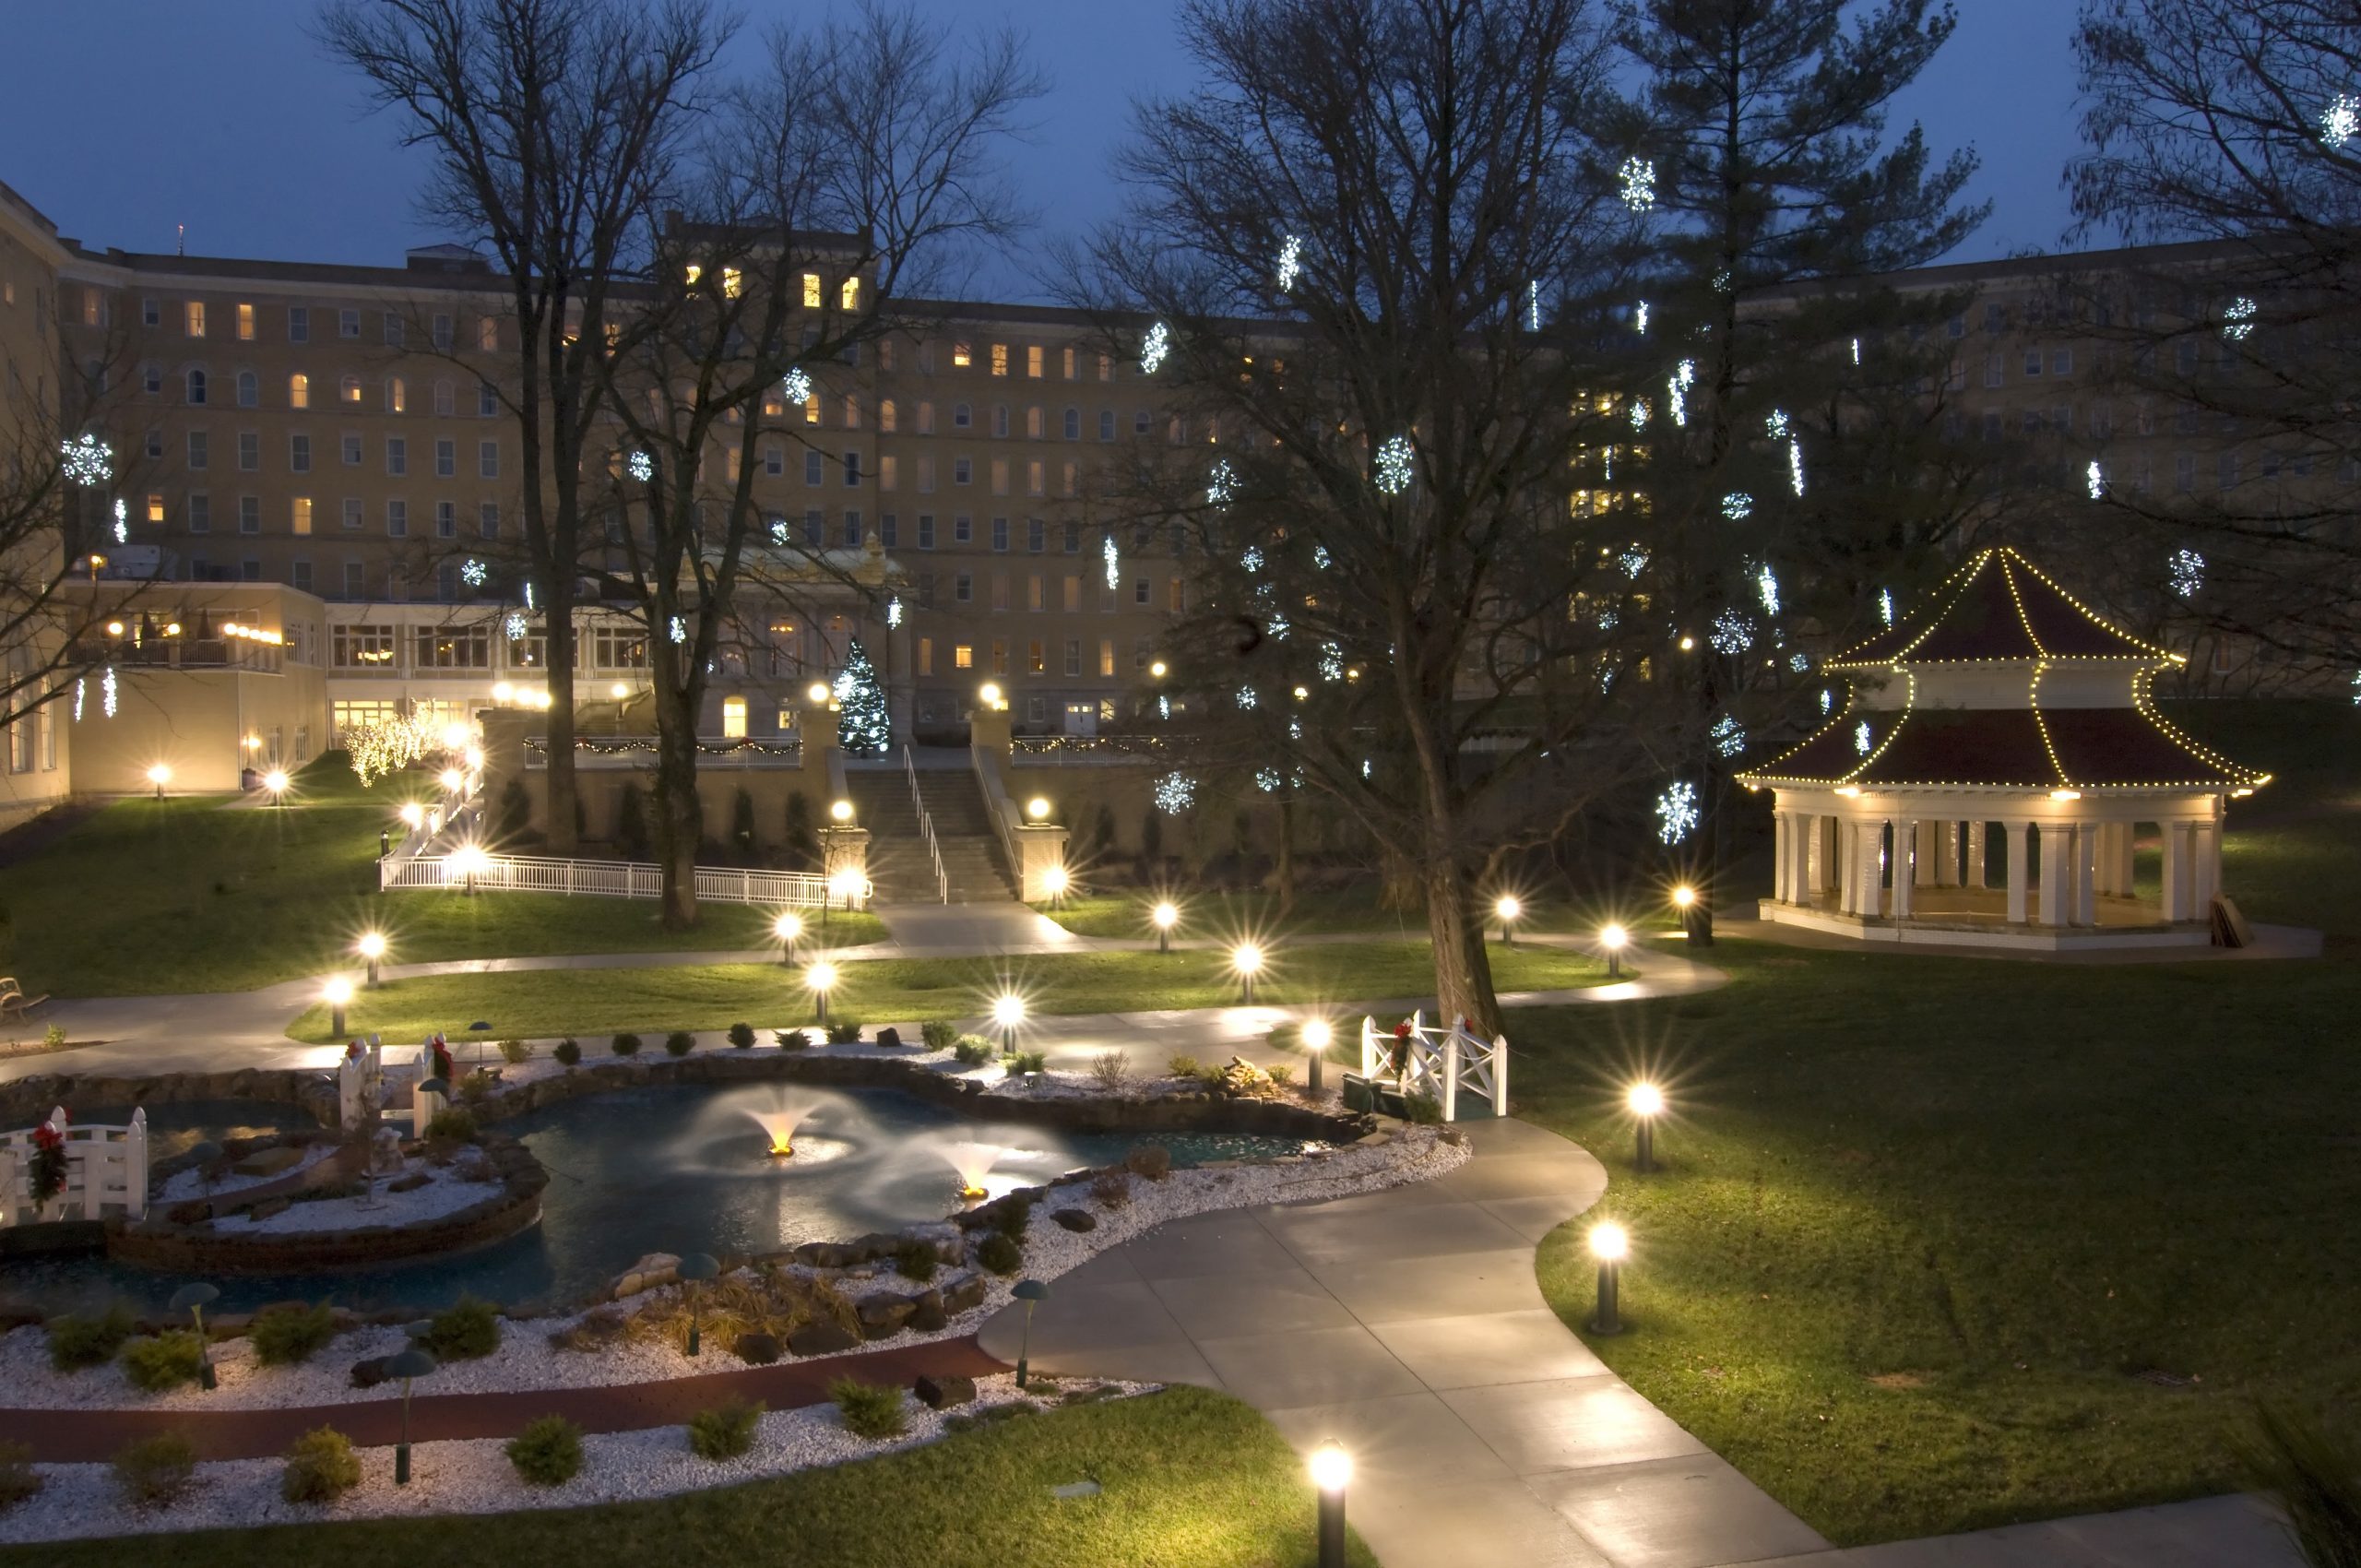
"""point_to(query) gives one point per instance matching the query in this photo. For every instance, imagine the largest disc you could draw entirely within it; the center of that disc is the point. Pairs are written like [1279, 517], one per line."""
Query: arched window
[445, 399]
[887, 416]
[196, 386]
[249, 389]
[961, 416]
[397, 396]
[1033, 423]
[299, 391]
[1074, 424]
[999, 419]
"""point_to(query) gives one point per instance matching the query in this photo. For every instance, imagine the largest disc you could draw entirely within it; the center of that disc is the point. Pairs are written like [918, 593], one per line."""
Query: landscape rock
[927, 1315]
[822, 1338]
[654, 1269]
[409, 1183]
[941, 1392]
[270, 1206]
[963, 1293]
[368, 1374]
[882, 1316]
[1074, 1219]
[757, 1349]
[271, 1161]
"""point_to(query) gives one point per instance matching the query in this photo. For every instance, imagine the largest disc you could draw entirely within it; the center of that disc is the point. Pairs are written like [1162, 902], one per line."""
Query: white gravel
[527, 1360]
[444, 1194]
[184, 1185]
[476, 1477]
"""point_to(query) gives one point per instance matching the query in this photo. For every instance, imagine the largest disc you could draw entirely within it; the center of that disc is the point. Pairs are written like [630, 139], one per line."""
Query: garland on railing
[1048, 745]
[49, 1158]
[642, 745]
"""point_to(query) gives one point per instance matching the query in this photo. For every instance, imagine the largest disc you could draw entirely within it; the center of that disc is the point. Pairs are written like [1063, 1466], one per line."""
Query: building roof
[1998, 606]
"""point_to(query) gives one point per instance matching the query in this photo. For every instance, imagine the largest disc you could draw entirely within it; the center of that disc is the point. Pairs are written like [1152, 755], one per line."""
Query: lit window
[1033, 361]
[733, 283]
[299, 514]
[960, 358]
[194, 314]
[812, 291]
[733, 716]
[886, 417]
[691, 273]
[850, 295]
[963, 656]
[1000, 359]
[397, 396]
[488, 334]
[155, 507]
[245, 324]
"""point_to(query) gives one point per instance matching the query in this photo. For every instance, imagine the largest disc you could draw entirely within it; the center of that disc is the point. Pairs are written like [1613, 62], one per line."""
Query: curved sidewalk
[1407, 1324]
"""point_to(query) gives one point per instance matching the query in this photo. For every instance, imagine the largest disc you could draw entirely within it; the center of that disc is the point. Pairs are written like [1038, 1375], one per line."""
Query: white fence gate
[603, 879]
[1443, 1061]
[106, 1167]
[365, 1081]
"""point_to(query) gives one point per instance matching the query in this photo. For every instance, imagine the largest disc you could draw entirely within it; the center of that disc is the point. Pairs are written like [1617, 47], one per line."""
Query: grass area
[538, 1003]
[2293, 853]
[197, 894]
[1234, 914]
[1189, 1478]
[1926, 1223]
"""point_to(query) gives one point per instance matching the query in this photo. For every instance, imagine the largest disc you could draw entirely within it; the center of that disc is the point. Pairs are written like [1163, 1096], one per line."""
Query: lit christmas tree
[862, 728]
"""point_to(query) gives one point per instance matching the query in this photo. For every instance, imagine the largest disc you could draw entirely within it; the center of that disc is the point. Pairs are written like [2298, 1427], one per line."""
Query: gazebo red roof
[1998, 606]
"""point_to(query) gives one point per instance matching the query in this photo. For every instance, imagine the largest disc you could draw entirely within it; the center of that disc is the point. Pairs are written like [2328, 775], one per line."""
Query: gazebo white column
[2175, 901]
[2055, 874]
[1947, 853]
[1868, 869]
[1926, 838]
[2086, 837]
[1912, 865]
[2020, 861]
[1781, 829]
[2127, 882]
[2204, 867]
[1977, 832]
[1803, 844]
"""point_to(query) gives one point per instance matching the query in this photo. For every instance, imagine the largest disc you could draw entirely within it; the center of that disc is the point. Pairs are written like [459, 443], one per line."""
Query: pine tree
[862, 727]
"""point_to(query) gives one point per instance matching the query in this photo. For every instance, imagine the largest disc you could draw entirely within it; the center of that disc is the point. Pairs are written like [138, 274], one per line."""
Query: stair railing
[926, 827]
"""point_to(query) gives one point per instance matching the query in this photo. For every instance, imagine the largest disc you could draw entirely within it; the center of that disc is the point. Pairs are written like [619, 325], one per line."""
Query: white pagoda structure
[1985, 781]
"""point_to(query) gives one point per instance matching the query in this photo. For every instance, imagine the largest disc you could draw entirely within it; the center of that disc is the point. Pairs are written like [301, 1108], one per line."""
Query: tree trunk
[1463, 967]
[1286, 849]
[680, 817]
[558, 731]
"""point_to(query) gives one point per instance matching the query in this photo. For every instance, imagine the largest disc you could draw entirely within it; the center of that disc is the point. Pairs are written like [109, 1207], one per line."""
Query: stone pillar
[2086, 843]
[844, 851]
[1042, 849]
[2175, 902]
[1977, 832]
[1947, 854]
[2205, 868]
[1912, 865]
[2056, 875]
[1869, 841]
[2019, 861]
[1782, 850]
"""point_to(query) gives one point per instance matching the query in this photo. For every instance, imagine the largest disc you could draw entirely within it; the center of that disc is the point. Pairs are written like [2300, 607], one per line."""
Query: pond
[670, 1167]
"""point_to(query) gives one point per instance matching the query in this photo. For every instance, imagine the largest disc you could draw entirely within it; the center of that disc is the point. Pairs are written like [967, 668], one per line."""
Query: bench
[14, 1003]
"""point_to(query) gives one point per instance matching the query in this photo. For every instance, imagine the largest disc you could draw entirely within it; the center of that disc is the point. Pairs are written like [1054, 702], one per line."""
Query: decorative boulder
[409, 1183]
[1074, 1219]
[882, 1317]
[825, 1338]
[941, 1392]
[757, 1349]
[1243, 1080]
[927, 1315]
[270, 1206]
[656, 1269]
[269, 1161]
[889, 1035]
[368, 1374]
[963, 1293]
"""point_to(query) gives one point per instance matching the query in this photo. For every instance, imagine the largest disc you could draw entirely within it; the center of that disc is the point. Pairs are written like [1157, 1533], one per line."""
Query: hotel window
[447, 519]
[852, 469]
[1000, 420]
[447, 458]
[299, 391]
[962, 529]
[155, 443]
[886, 419]
[298, 454]
[1106, 656]
[348, 324]
[960, 358]
[1035, 478]
[249, 451]
[397, 454]
[152, 379]
[619, 647]
[963, 656]
[1175, 600]
[1035, 663]
[815, 468]
[812, 409]
[1070, 478]
[396, 519]
[148, 313]
[926, 476]
[397, 396]
[488, 519]
[999, 535]
[1140, 591]
[962, 417]
[889, 531]
[1073, 656]
[349, 390]
[453, 647]
[487, 400]
[848, 296]
[1036, 536]
[487, 459]
[1000, 359]
[1106, 424]
[300, 576]
[199, 512]
[1073, 538]
[853, 530]
[350, 444]
[1000, 591]
[299, 514]
[1074, 424]
[442, 332]
[2033, 361]
[1034, 426]
[926, 418]
[155, 507]
[192, 317]
[1072, 593]
[774, 459]
[1000, 476]
[812, 291]
[963, 470]
[815, 528]
[249, 514]
[2061, 362]
[733, 710]
[298, 324]
[926, 531]
[1033, 361]
[487, 333]
[853, 412]
[1000, 656]
[888, 473]
[1140, 420]
[962, 587]
[356, 582]
[445, 400]
[197, 449]
[353, 512]
[196, 386]
[926, 656]
[1033, 593]
[391, 329]
[249, 389]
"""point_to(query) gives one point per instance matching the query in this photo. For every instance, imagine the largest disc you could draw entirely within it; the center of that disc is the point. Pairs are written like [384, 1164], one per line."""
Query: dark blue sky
[122, 118]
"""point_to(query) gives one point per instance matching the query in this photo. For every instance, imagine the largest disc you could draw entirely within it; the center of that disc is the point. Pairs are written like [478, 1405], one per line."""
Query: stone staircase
[898, 866]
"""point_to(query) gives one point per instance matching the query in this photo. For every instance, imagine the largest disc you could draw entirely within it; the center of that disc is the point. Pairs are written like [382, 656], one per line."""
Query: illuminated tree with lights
[862, 727]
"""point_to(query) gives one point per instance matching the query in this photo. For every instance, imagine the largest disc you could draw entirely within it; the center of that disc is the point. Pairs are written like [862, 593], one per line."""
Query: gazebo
[2004, 705]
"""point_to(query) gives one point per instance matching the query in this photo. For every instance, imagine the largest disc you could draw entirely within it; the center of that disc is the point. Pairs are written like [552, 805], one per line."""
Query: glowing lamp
[618, 691]
[1054, 881]
[501, 691]
[452, 779]
[1318, 1034]
[1610, 1242]
[1612, 938]
[841, 810]
[2065, 795]
[275, 781]
[160, 775]
[1037, 807]
[788, 928]
[1645, 1099]
[1608, 1245]
[336, 994]
[1166, 915]
[1332, 1467]
[1508, 907]
[414, 816]
[988, 693]
[1008, 1011]
[1684, 896]
[1159, 669]
[455, 736]
[819, 979]
[1247, 959]
[371, 945]
[114, 628]
[817, 693]
[1687, 644]
[475, 757]
[1332, 1471]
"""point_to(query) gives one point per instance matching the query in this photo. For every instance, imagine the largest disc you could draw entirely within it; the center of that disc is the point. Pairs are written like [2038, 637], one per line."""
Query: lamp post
[1612, 938]
[1608, 1244]
[819, 978]
[1646, 1103]
[1696, 920]
[193, 1299]
[1166, 915]
[1031, 1292]
[1508, 908]
[789, 929]
[336, 994]
[160, 775]
[1008, 1011]
[372, 946]
[1247, 959]
[1053, 882]
[694, 1270]
[414, 1362]
[276, 782]
[1318, 1033]
[1332, 1471]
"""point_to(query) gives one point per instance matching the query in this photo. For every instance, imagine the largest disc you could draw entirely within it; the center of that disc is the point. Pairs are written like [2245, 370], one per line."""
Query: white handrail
[997, 807]
[614, 879]
[926, 827]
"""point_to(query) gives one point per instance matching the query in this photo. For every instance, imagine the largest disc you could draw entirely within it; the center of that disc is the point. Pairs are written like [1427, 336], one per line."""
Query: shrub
[940, 1034]
[286, 1336]
[844, 1031]
[167, 1360]
[624, 1045]
[1183, 1066]
[153, 1472]
[476, 1087]
[726, 1431]
[679, 1042]
[1112, 1189]
[53, 1037]
[972, 1051]
[1000, 1254]
[1012, 1215]
[1281, 1072]
[567, 1050]
[548, 1452]
[465, 1331]
[1153, 1161]
[792, 1039]
[321, 1467]
[915, 1259]
[868, 1409]
[515, 1052]
[1029, 1061]
[1425, 1110]
[78, 1342]
[630, 824]
[455, 1123]
[18, 1481]
[597, 1329]
[741, 1036]
[1111, 1071]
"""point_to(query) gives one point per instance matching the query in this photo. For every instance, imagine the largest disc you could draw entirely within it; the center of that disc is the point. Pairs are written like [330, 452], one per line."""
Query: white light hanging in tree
[2341, 119]
[893, 611]
[779, 530]
[1732, 634]
[1290, 262]
[1862, 737]
[121, 522]
[1332, 662]
[643, 467]
[1856, 350]
[1885, 605]
[1640, 318]
[528, 596]
[1633, 561]
[1532, 305]
[2237, 320]
[1722, 281]
[1776, 423]
[2357, 691]
[1737, 506]
[1252, 559]
[1766, 587]
[1320, 556]
[79, 683]
[1827, 698]
[1638, 178]
[1676, 399]
[1728, 737]
[1676, 814]
[677, 629]
[1246, 698]
[1221, 484]
[1155, 348]
[1639, 413]
[1278, 628]
[1796, 464]
[1114, 565]
[1798, 663]
[1164, 708]
[1395, 464]
[2095, 480]
[107, 692]
[1175, 792]
[88, 459]
[2184, 572]
[515, 626]
[474, 573]
[797, 386]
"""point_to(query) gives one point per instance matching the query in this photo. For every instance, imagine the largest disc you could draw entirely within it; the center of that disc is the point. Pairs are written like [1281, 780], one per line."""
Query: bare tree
[553, 124]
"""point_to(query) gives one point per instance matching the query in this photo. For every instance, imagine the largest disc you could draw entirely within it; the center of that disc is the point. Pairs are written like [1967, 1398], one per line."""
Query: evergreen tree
[862, 727]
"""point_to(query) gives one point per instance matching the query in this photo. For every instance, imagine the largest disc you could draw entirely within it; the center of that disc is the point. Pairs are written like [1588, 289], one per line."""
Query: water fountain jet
[780, 1127]
[973, 1162]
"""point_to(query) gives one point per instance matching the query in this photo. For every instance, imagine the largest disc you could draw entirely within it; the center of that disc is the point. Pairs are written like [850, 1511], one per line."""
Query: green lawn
[196, 894]
[538, 1003]
[1190, 1479]
[1926, 1222]
[1233, 914]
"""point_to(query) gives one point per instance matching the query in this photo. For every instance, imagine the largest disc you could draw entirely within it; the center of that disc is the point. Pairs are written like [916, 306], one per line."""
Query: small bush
[1029, 1061]
[467, 1330]
[165, 1362]
[792, 1039]
[972, 1051]
[286, 1336]
[1012, 1217]
[1281, 1072]
[515, 1052]
[476, 1087]
[624, 1045]
[844, 1031]
[1000, 1254]
[1112, 1189]
[155, 1472]
[679, 1042]
[548, 1452]
[597, 1329]
[868, 1409]
[455, 1123]
[78, 1342]
[741, 1036]
[725, 1431]
[1111, 1071]
[321, 1467]
[567, 1050]
[1183, 1066]
[1153, 1161]
[53, 1037]
[940, 1034]
[20, 1482]
[1425, 1110]
[915, 1259]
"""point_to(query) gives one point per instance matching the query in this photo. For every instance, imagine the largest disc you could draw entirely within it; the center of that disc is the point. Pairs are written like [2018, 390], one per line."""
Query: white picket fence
[1443, 1061]
[106, 1167]
[602, 879]
[367, 1081]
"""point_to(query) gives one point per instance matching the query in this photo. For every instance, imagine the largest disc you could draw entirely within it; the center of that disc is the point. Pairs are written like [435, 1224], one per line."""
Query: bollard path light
[1331, 1471]
[372, 946]
[1166, 915]
[414, 1362]
[695, 1269]
[1247, 959]
[1008, 1011]
[336, 994]
[193, 1299]
[789, 929]
[820, 979]
[1509, 909]
[1612, 938]
[1645, 1101]
[1318, 1035]
[1032, 1292]
[1609, 1245]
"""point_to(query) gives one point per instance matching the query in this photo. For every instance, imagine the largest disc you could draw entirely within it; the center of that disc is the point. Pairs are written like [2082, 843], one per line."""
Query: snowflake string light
[677, 629]
[2356, 693]
[1164, 708]
[779, 530]
[1290, 262]
[1332, 662]
[1295, 729]
[2237, 320]
[1267, 779]
[1728, 737]
[107, 692]
[1395, 464]
[1862, 737]
[796, 387]
[1252, 559]
[1638, 177]
[1320, 556]
[2184, 572]
[1676, 398]
[1532, 305]
[528, 596]
[1723, 283]
[1776, 423]
[1246, 698]
[2340, 119]
[1633, 561]
[2095, 480]
[121, 522]
[88, 460]
[1367, 768]
[643, 467]
[1798, 663]
[1155, 348]
[1639, 413]
[79, 682]
[1175, 792]
[1796, 465]
[1856, 350]
[513, 625]
[1737, 506]
[1766, 587]
[1732, 634]
[1608, 618]
[1885, 605]
[1827, 699]
[1221, 484]
[1114, 563]
[1677, 813]
[474, 573]
[893, 611]
[1640, 318]
[1279, 626]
